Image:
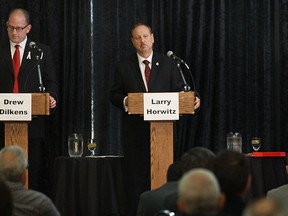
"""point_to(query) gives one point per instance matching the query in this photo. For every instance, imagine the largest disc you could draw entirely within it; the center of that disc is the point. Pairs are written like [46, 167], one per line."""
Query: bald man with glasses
[19, 74]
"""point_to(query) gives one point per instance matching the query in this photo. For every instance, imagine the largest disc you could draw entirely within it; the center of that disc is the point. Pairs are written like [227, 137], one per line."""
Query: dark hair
[197, 157]
[6, 204]
[232, 170]
[174, 172]
[140, 24]
[25, 12]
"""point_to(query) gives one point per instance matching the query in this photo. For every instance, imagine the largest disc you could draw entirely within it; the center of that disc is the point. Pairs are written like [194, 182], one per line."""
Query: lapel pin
[29, 55]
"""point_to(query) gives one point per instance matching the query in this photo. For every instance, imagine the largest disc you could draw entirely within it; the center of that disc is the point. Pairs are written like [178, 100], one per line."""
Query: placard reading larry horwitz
[161, 106]
[15, 107]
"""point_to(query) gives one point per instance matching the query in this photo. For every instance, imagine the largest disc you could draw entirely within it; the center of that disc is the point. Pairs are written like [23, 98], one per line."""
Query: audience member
[13, 164]
[233, 173]
[6, 205]
[199, 193]
[153, 201]
[265, 207]
[280, 194]
[196, 157]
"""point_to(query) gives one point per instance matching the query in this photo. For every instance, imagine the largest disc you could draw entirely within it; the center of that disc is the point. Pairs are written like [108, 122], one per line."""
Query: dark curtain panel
[282, 64]
[236, 52]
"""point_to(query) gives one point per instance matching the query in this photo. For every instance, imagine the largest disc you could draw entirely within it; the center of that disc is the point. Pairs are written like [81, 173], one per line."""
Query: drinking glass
[237, 142]
[230, 141]
[256, 143]
[91, 146]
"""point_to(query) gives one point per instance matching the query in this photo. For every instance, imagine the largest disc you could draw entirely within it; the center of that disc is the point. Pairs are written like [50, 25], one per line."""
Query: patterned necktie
[16, 65]
[147, 71]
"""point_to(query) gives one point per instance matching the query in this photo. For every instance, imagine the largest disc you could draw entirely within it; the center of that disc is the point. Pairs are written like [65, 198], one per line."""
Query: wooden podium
[161, 135]
[16, 132]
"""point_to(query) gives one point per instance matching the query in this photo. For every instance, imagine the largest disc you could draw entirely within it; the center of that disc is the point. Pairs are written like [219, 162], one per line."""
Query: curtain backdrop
[236, 51]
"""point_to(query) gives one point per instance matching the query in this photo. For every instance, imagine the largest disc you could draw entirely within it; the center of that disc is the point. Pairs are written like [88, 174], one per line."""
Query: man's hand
[196, 103]
[53, 102]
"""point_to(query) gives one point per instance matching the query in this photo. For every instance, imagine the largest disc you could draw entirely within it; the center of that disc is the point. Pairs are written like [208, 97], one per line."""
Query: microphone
[172, 55]
[33, 45]
[179, 61]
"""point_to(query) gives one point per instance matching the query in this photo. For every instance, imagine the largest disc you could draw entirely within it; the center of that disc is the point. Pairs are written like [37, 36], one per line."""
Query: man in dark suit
[152, 201]
[232, 170]
[130, 78]
[18, 26]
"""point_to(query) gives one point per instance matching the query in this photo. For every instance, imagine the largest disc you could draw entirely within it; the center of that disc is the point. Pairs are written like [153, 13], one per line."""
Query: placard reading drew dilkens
[15, 107]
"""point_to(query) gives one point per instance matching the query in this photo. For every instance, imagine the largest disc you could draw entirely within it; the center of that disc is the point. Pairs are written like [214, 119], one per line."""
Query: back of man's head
[197, 157]
[199, 192]
[174, 172]
[13, 163]
[233, 172]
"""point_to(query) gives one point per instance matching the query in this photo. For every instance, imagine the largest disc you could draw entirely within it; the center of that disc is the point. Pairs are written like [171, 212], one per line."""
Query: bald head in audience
[199, 193]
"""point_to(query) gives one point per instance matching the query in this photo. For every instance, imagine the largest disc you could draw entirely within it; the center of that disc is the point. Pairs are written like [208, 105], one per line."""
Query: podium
[161, 135]
[16, 132]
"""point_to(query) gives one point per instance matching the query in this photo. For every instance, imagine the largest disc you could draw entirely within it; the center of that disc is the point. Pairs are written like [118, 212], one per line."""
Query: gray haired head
[199, 192]
[13, 163]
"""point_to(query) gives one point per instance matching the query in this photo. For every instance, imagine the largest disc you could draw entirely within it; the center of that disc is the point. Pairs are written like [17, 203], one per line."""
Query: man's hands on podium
[53, 102]
[196, 103]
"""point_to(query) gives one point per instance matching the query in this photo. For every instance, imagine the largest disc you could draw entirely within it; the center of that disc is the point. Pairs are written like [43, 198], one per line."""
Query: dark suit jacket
[234, 205]
[152, 202]
[28, 77]
[164, 77]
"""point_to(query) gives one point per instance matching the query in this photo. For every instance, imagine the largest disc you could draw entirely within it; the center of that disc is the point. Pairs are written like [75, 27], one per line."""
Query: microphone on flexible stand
[179, 62]
[33, 45]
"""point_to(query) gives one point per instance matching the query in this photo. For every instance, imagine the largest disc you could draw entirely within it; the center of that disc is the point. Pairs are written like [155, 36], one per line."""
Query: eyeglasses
[18, 29]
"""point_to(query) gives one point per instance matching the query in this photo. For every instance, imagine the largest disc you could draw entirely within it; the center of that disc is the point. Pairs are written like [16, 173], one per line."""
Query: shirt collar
[22, 44]
[141, 59]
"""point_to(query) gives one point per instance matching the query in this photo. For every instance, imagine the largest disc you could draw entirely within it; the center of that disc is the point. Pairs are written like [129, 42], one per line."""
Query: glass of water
[256, 143]
[91, 146]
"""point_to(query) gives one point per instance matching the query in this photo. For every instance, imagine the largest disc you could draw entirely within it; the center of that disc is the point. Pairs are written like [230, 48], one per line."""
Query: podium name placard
[161, 106]
[15, 107]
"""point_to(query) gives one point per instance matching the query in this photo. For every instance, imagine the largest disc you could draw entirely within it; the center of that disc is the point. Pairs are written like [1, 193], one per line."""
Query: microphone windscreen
[32, 44]
[169, 53]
